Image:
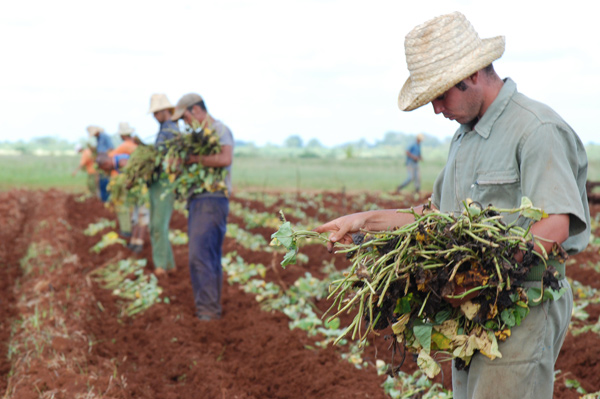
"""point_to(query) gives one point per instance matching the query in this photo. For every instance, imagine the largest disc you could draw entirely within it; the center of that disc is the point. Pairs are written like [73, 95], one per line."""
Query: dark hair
[489, 70]
[102, 157]
[200, 104]
[462, 86]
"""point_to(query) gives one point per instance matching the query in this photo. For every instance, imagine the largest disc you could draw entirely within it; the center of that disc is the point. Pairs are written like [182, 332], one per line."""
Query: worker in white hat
[128, 143]
[207, 211]
[162, 199]
[507, 146]
[413, 157]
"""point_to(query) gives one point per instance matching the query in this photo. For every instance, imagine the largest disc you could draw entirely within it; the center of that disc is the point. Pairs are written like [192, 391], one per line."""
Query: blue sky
[269, 69]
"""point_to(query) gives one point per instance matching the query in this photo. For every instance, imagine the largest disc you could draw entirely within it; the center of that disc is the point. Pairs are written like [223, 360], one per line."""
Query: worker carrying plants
[208, 210]
[507, 146]
[104, 145]
[114, 164]
[124, 210]
[162, 199]
[413, 157]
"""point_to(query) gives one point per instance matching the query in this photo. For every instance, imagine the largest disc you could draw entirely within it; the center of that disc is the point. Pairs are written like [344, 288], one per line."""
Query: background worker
[207, 220]
[507, 146]
[128, 143]
[162, 198]
[124, 210]
[413, 157]
[87, 163]
[103, 145]
[139, 219]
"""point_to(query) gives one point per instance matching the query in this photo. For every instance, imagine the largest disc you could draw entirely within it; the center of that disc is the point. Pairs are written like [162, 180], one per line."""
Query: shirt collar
[485, 124]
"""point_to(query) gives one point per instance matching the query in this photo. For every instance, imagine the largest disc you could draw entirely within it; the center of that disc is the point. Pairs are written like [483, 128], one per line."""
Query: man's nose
[438, 107]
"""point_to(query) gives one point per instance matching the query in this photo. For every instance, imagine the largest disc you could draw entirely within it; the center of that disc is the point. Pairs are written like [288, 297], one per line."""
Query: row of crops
[254, 215]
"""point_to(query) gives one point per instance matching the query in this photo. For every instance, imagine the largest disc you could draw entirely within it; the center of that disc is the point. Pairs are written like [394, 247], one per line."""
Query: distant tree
[314, 143]
[394, 139]
[293, 141]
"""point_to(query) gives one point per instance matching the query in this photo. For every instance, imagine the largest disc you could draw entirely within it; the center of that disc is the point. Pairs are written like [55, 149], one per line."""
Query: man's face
[162, 115]
[194, 116]
[458, 105]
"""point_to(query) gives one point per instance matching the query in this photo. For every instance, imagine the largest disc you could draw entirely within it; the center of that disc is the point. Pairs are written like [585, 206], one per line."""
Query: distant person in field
[140, 218]
[162, 199]
[507, 146]
[207, 220]
[87, 163]
[103, 145]
[413, 157]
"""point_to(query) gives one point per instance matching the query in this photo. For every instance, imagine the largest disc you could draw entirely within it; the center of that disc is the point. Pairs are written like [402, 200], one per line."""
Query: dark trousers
[102, 183]
[207, 223]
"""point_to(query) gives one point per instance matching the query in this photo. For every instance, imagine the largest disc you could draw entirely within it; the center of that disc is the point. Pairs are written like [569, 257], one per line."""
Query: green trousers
[161, 208]
[526, 369]
[124, 218]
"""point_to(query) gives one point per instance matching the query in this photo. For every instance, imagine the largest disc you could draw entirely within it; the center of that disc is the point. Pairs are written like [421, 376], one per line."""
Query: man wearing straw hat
[207, 218]
[507, 146]
[104, 145]
[128, 143]
[161, 199]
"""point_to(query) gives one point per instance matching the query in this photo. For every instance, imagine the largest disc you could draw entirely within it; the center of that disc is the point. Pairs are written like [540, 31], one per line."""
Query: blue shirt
[117, 158]
[167, 131]
[415, 150]
[105, 144]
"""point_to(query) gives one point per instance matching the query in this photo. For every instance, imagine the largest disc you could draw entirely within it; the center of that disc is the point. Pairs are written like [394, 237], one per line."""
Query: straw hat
[440, 53]
[184, 103]
[93, 130]
[125, 129]
[420, 137]
[158, 102]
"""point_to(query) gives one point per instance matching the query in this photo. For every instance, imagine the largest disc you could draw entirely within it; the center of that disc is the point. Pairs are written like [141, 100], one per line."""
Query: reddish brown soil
[166, 352]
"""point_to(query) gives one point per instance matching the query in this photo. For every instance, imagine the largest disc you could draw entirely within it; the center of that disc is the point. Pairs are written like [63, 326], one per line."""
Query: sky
[269, 69]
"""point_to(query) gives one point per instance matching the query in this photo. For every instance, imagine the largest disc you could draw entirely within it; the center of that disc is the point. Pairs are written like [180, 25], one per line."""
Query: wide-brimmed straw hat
[125, 129]
[440, 53]
[158, 102]
[184, 103]
[93, 130]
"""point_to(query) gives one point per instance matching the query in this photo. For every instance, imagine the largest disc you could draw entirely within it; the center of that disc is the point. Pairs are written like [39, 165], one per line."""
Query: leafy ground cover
[64, 334]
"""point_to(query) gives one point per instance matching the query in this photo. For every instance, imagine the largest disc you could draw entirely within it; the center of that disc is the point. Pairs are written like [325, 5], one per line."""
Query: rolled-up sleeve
[553, 172]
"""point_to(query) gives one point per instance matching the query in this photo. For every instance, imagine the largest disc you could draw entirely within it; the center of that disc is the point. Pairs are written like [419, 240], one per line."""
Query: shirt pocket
[501, 189]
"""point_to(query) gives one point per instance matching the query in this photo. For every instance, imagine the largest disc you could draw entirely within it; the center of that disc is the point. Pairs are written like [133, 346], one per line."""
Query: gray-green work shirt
[520, 147]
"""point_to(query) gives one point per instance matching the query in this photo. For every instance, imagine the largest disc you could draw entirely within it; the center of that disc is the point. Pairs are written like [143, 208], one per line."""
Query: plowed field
[63, 336]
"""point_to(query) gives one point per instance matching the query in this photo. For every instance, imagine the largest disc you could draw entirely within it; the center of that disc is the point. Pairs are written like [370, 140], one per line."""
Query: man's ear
[474, 78]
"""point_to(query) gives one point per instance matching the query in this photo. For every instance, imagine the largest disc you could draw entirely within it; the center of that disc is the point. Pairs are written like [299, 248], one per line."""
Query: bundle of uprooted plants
[445, 284]
[190, 178]
[130, 187]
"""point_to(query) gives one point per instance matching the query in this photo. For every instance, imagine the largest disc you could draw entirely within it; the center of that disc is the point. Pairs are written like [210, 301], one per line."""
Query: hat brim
[413, 96]
[153, 110]
[177, 114]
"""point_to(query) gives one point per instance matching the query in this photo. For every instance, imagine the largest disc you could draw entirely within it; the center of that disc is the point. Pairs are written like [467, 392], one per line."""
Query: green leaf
[289, 258]
[508, 317]
[333, 324]
[285, 235]
[530, 211]
[403, 305]
[423, 335]
[442, 316]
